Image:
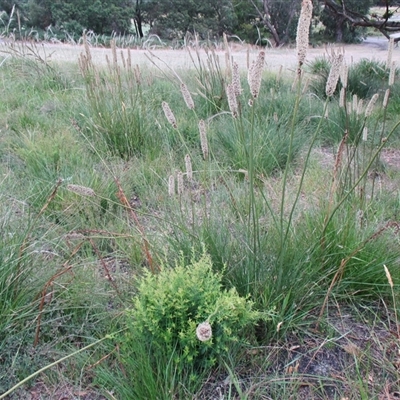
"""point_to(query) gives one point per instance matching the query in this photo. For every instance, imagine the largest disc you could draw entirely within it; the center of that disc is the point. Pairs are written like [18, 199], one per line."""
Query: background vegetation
[254, 21]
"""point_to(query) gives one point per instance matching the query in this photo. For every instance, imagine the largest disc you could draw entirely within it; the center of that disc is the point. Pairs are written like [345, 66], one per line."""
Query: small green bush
[170, 305]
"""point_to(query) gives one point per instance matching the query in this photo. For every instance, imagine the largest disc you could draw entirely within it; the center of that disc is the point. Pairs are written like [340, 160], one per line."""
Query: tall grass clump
[119, 118]
[211, 80]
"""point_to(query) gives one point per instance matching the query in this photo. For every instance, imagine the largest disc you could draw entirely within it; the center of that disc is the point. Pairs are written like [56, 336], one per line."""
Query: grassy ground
[138, 203]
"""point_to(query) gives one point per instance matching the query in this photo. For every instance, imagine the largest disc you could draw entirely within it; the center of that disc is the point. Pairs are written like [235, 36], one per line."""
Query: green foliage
[170, 305]
[74, 16]
[172, 19]
[368, 77]
[245, 28]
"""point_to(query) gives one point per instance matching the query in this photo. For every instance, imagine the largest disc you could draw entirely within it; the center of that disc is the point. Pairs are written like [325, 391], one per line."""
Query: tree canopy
[255, 21]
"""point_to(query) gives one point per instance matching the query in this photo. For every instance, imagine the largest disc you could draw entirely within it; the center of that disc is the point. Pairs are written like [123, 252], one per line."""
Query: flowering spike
[255, 74]
[334, 73]
[187, 96]
[169, 114]
[232, 102]
[203, 138]
[303, 31]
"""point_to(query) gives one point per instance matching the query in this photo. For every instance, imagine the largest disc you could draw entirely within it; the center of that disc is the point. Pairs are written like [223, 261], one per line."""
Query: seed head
[334, 74]
[237, 87]
[179, 179]
[370, 106]
[81, 190]
[232, 102]
[188, 165]
[388, 276]
[386, 98]
[255, 74]
[187, 96]
[171, 185]
[169, 114]
[342, 97]
[203, 138]
[204, 331]
[303, 31]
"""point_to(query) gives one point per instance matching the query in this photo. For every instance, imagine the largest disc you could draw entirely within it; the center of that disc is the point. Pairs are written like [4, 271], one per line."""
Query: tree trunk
[339, 30]
[291, 16]
[265, 17]
[267, 22]
[138, 20]
[138, 26]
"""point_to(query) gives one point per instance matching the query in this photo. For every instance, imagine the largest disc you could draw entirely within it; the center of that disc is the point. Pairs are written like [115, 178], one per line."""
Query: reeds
[81, 190]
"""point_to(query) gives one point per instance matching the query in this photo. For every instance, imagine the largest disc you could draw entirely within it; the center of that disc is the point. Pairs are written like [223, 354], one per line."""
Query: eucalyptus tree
[173, 18]
[279, 17]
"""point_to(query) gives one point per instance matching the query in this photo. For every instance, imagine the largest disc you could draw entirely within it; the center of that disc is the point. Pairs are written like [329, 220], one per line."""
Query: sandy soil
[372, 48]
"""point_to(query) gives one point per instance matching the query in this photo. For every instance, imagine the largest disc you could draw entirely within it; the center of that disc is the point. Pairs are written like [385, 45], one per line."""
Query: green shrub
[169, 307]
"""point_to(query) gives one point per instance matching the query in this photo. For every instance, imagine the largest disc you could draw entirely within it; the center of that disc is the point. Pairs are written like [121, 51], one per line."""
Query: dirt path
[372, 48]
